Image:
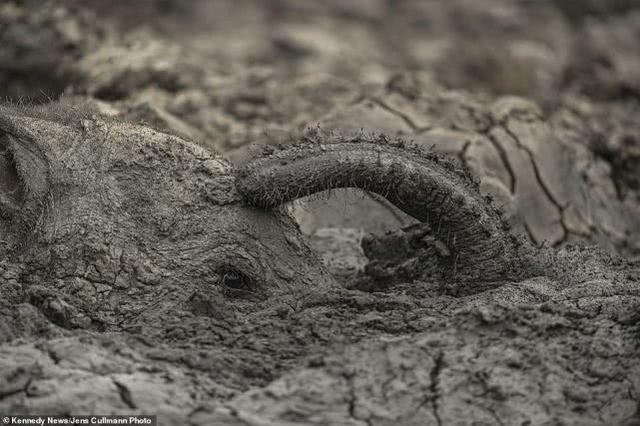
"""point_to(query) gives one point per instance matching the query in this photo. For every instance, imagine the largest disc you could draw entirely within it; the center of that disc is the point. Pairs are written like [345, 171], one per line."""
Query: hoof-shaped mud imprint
[335, 213]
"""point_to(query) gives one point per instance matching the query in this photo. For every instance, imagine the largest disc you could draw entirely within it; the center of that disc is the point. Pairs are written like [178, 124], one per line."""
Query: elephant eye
[237, 281]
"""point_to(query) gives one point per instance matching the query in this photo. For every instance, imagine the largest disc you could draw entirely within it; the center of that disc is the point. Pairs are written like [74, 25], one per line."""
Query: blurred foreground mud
[539, 99]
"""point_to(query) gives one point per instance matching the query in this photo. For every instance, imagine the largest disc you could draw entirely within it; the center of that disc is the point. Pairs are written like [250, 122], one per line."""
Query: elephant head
[112, 217]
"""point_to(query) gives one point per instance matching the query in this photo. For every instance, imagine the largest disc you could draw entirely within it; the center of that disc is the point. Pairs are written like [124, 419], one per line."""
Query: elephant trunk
[423, 184]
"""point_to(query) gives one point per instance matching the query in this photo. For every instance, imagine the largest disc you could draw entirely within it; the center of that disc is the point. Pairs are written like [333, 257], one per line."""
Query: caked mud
[293, 213]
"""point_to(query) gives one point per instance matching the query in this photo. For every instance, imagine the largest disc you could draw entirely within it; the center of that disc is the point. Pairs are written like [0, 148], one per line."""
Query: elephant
[142, 273]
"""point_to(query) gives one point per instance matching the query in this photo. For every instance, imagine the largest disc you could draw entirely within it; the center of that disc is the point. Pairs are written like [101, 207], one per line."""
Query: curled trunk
[422, 184]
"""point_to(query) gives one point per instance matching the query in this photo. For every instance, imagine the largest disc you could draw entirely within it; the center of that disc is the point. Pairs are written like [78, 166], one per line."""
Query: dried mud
[539, 101]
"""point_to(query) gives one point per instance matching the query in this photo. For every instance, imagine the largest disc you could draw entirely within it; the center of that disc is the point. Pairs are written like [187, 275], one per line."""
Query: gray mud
[117, 290]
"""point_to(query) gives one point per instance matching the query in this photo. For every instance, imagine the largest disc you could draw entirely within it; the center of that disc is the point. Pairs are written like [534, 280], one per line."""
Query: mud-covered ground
[540, 100]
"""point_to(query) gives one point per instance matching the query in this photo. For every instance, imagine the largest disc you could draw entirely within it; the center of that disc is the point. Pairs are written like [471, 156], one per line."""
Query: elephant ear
[23, 174]
[12, 189]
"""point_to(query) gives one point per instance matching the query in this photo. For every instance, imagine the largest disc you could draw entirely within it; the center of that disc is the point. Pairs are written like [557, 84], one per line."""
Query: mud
[539, 101]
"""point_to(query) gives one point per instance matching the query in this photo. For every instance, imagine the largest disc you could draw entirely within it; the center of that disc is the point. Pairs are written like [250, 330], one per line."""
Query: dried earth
[539, 100]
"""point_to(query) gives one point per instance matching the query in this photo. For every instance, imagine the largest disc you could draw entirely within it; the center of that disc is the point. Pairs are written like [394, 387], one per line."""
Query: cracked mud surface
[539, 100]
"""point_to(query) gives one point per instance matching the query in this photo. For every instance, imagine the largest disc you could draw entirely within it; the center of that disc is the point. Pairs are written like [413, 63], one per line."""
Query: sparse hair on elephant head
[132, 213]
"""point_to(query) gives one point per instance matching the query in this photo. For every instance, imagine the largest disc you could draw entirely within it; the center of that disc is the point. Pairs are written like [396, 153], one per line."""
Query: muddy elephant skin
[132, 259]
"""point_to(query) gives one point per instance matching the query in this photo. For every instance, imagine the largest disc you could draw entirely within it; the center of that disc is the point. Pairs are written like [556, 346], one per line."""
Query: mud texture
[474, 262]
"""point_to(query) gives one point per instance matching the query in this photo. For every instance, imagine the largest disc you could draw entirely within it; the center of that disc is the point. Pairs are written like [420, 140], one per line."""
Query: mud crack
[435, 384]
[125, 394]
[399, 114]
[505, 160]
[539, 179]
